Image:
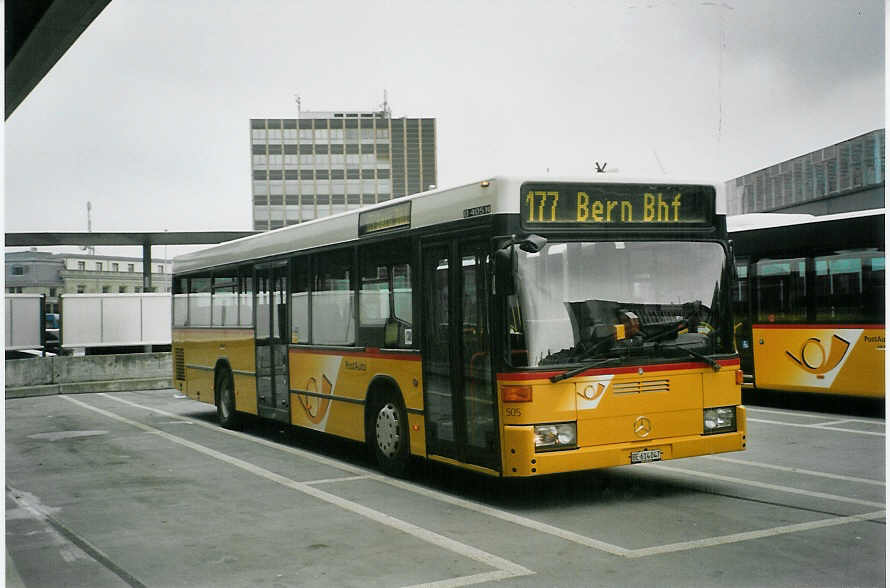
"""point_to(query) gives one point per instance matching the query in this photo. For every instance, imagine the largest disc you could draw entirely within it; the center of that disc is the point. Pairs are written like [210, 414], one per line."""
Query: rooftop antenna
[386, 111]
[658, 159]
[299, 105]
[90, 248]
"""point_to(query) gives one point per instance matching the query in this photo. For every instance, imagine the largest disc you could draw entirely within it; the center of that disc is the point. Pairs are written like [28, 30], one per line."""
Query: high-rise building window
[18, 270]
[160, 269]
[53, 292]
[342, 154]
[131, 267]
[98, 266]
[106, 289]
[82, 265]
[115, 267]
[81, 288]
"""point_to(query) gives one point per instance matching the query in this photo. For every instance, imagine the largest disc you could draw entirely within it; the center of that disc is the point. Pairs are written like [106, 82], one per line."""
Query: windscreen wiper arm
[708, 360]
[583, 368]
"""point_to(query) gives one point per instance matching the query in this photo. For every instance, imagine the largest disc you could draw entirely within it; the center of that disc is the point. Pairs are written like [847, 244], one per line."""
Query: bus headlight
[556, 436]
[719, 420]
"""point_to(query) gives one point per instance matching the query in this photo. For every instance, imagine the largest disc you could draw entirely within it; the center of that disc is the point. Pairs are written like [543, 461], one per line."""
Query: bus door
[271, 328]
[459, 396]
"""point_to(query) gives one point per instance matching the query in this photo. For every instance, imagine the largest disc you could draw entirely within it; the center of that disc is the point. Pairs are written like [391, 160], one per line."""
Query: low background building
[53, 274]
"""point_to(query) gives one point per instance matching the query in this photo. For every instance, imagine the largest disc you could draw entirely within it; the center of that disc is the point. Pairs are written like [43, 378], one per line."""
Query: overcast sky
[147, 114]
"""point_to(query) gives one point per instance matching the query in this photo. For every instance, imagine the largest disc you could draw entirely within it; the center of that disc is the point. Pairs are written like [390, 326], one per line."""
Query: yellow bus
[512, 326]
[810, 302]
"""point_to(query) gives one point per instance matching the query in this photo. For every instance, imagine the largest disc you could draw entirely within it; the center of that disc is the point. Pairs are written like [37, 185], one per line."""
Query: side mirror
[505, 260]
[532, 243]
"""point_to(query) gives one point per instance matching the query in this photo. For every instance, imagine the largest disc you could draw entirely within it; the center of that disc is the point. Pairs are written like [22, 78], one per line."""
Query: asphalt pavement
[145, 489]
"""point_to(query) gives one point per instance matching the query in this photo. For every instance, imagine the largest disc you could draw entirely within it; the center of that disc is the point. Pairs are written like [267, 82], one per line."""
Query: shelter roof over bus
[766, 220]
[495, 195]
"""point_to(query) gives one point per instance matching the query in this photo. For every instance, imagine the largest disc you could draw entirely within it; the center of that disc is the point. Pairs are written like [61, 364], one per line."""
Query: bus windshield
[631, 302]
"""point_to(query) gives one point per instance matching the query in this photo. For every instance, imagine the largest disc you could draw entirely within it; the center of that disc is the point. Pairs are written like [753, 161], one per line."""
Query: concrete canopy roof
[38, 33]
[164, 238]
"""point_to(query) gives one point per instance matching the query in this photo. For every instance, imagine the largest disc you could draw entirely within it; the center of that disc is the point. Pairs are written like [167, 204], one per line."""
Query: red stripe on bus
[370, 353]
[814, 326]
[519, 376]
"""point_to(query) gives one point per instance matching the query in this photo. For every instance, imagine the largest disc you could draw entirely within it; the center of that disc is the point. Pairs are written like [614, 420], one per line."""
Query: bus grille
[641, 387]
[179, 363]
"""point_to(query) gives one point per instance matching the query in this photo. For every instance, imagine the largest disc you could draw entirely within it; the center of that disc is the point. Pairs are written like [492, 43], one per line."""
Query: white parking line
[765, 486]
[335, 480]
[838, 422]
[530, 523]
[815, 426]
[505, 568]
[749, 535]
[812, 415]
[795, 470]
[434, 494]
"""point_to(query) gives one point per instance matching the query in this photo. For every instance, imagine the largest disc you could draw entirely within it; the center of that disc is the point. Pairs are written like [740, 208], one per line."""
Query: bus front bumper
[520, 459]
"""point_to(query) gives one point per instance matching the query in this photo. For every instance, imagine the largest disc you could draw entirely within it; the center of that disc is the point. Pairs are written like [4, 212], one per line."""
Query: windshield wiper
[708, 360]
[583, 368]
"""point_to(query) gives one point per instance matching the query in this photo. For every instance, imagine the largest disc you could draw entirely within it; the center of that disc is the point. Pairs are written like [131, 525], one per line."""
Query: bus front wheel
[388, 435]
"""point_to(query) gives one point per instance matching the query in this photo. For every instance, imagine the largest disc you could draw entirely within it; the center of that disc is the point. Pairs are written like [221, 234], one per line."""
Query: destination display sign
[612, 204]
[384, 219]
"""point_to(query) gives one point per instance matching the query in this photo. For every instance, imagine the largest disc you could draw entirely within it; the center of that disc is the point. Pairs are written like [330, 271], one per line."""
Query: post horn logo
[593, 391]
[642, 427]
[815, 359]
[312, 402]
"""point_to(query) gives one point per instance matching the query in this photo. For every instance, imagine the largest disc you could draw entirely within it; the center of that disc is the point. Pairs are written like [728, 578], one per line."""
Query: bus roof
[433, 207]
[765, 220]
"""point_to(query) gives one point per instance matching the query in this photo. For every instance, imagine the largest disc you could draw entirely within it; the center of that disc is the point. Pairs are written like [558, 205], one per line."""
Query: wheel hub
[388, 430]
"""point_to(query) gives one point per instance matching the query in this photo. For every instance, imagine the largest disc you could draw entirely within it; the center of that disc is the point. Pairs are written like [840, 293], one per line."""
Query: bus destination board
[612, 204]
[392, 217]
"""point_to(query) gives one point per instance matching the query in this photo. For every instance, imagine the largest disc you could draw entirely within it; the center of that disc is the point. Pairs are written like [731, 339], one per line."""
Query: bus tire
[387, 434]
[229, 418]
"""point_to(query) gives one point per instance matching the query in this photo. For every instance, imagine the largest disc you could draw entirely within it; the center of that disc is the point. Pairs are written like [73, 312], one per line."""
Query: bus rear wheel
[388, 435]
[225, 401]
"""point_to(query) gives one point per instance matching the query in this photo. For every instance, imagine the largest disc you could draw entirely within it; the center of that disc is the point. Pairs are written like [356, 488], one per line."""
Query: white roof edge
[765, 220]
[343, 227]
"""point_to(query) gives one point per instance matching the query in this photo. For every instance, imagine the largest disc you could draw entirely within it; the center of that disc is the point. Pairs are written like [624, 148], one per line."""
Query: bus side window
[385, 297]
[780, 290]
[299, 289]
[245, 296]
[333, 298]
[224, 302]
[199, 301]
[850, 287]
[180, 302]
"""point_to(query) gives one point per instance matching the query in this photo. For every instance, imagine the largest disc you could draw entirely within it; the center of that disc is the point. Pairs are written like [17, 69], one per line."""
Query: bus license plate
[645, 456]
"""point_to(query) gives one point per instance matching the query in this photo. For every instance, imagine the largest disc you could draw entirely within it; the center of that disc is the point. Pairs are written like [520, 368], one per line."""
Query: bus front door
[459, 397]
[271, 328]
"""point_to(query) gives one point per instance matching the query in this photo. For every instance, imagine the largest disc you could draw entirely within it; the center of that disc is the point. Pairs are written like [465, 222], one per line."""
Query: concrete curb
[128, 385]
[82, 374]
